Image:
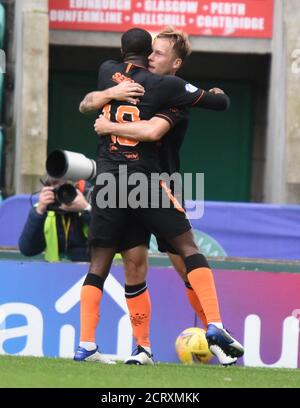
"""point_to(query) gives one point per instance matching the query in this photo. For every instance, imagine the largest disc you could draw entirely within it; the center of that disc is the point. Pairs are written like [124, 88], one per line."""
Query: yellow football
[191, 346]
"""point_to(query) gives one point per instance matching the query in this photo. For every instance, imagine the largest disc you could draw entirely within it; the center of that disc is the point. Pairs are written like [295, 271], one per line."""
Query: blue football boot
[220, 339]
[81, 354]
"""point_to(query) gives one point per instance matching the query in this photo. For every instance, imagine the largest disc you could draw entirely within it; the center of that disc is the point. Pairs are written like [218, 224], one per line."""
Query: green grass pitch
[31, 372]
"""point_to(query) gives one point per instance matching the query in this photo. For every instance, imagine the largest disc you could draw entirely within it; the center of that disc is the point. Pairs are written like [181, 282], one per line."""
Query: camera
[64, 194]
[63, 164]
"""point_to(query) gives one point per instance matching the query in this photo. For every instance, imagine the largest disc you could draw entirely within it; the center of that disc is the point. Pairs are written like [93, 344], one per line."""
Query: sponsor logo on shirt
[191, 88]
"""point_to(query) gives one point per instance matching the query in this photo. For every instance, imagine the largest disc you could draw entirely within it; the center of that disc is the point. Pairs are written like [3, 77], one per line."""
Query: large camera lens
[70, 166]
[56, 164]
[66, 193]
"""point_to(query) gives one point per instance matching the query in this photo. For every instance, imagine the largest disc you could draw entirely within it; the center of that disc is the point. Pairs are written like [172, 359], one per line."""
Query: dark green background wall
[68, 128]
[218, 144]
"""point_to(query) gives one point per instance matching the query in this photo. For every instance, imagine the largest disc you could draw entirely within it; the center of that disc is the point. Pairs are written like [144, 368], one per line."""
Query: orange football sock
[90, 298]
[139, 307]
[196, 305]
[202, 281]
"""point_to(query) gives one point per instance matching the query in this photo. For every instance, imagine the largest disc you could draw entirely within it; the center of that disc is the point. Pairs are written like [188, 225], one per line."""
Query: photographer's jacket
[60, 236]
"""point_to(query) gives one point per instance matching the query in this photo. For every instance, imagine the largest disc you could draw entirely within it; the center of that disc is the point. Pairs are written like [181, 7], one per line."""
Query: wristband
[88, 208]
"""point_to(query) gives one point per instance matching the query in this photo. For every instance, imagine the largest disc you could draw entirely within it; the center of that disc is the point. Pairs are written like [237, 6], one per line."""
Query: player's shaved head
[136, 42]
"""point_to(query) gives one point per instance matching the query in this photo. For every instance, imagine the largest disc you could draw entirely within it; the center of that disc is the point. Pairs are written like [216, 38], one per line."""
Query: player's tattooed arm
[93, 101]
[86, 105]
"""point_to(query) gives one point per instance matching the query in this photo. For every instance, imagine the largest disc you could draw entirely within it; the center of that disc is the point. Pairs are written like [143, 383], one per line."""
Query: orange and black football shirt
[165, 96]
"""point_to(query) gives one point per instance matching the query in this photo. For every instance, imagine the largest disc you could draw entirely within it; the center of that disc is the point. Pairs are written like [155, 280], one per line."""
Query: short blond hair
[182, 45]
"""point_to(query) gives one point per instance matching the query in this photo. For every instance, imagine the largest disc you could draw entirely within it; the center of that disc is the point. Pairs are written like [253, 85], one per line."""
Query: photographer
[58, 229]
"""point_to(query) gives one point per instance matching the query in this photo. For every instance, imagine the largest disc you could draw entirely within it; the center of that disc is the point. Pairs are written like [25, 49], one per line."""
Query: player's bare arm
[88, 105]
[155, 128]
[143, 130]
[125, 91]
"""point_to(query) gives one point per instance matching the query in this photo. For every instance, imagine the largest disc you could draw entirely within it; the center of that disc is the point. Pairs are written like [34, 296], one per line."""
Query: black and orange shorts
[125, 228]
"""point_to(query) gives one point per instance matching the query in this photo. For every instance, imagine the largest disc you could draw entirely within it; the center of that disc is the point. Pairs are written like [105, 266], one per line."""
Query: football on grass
[191, 346]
